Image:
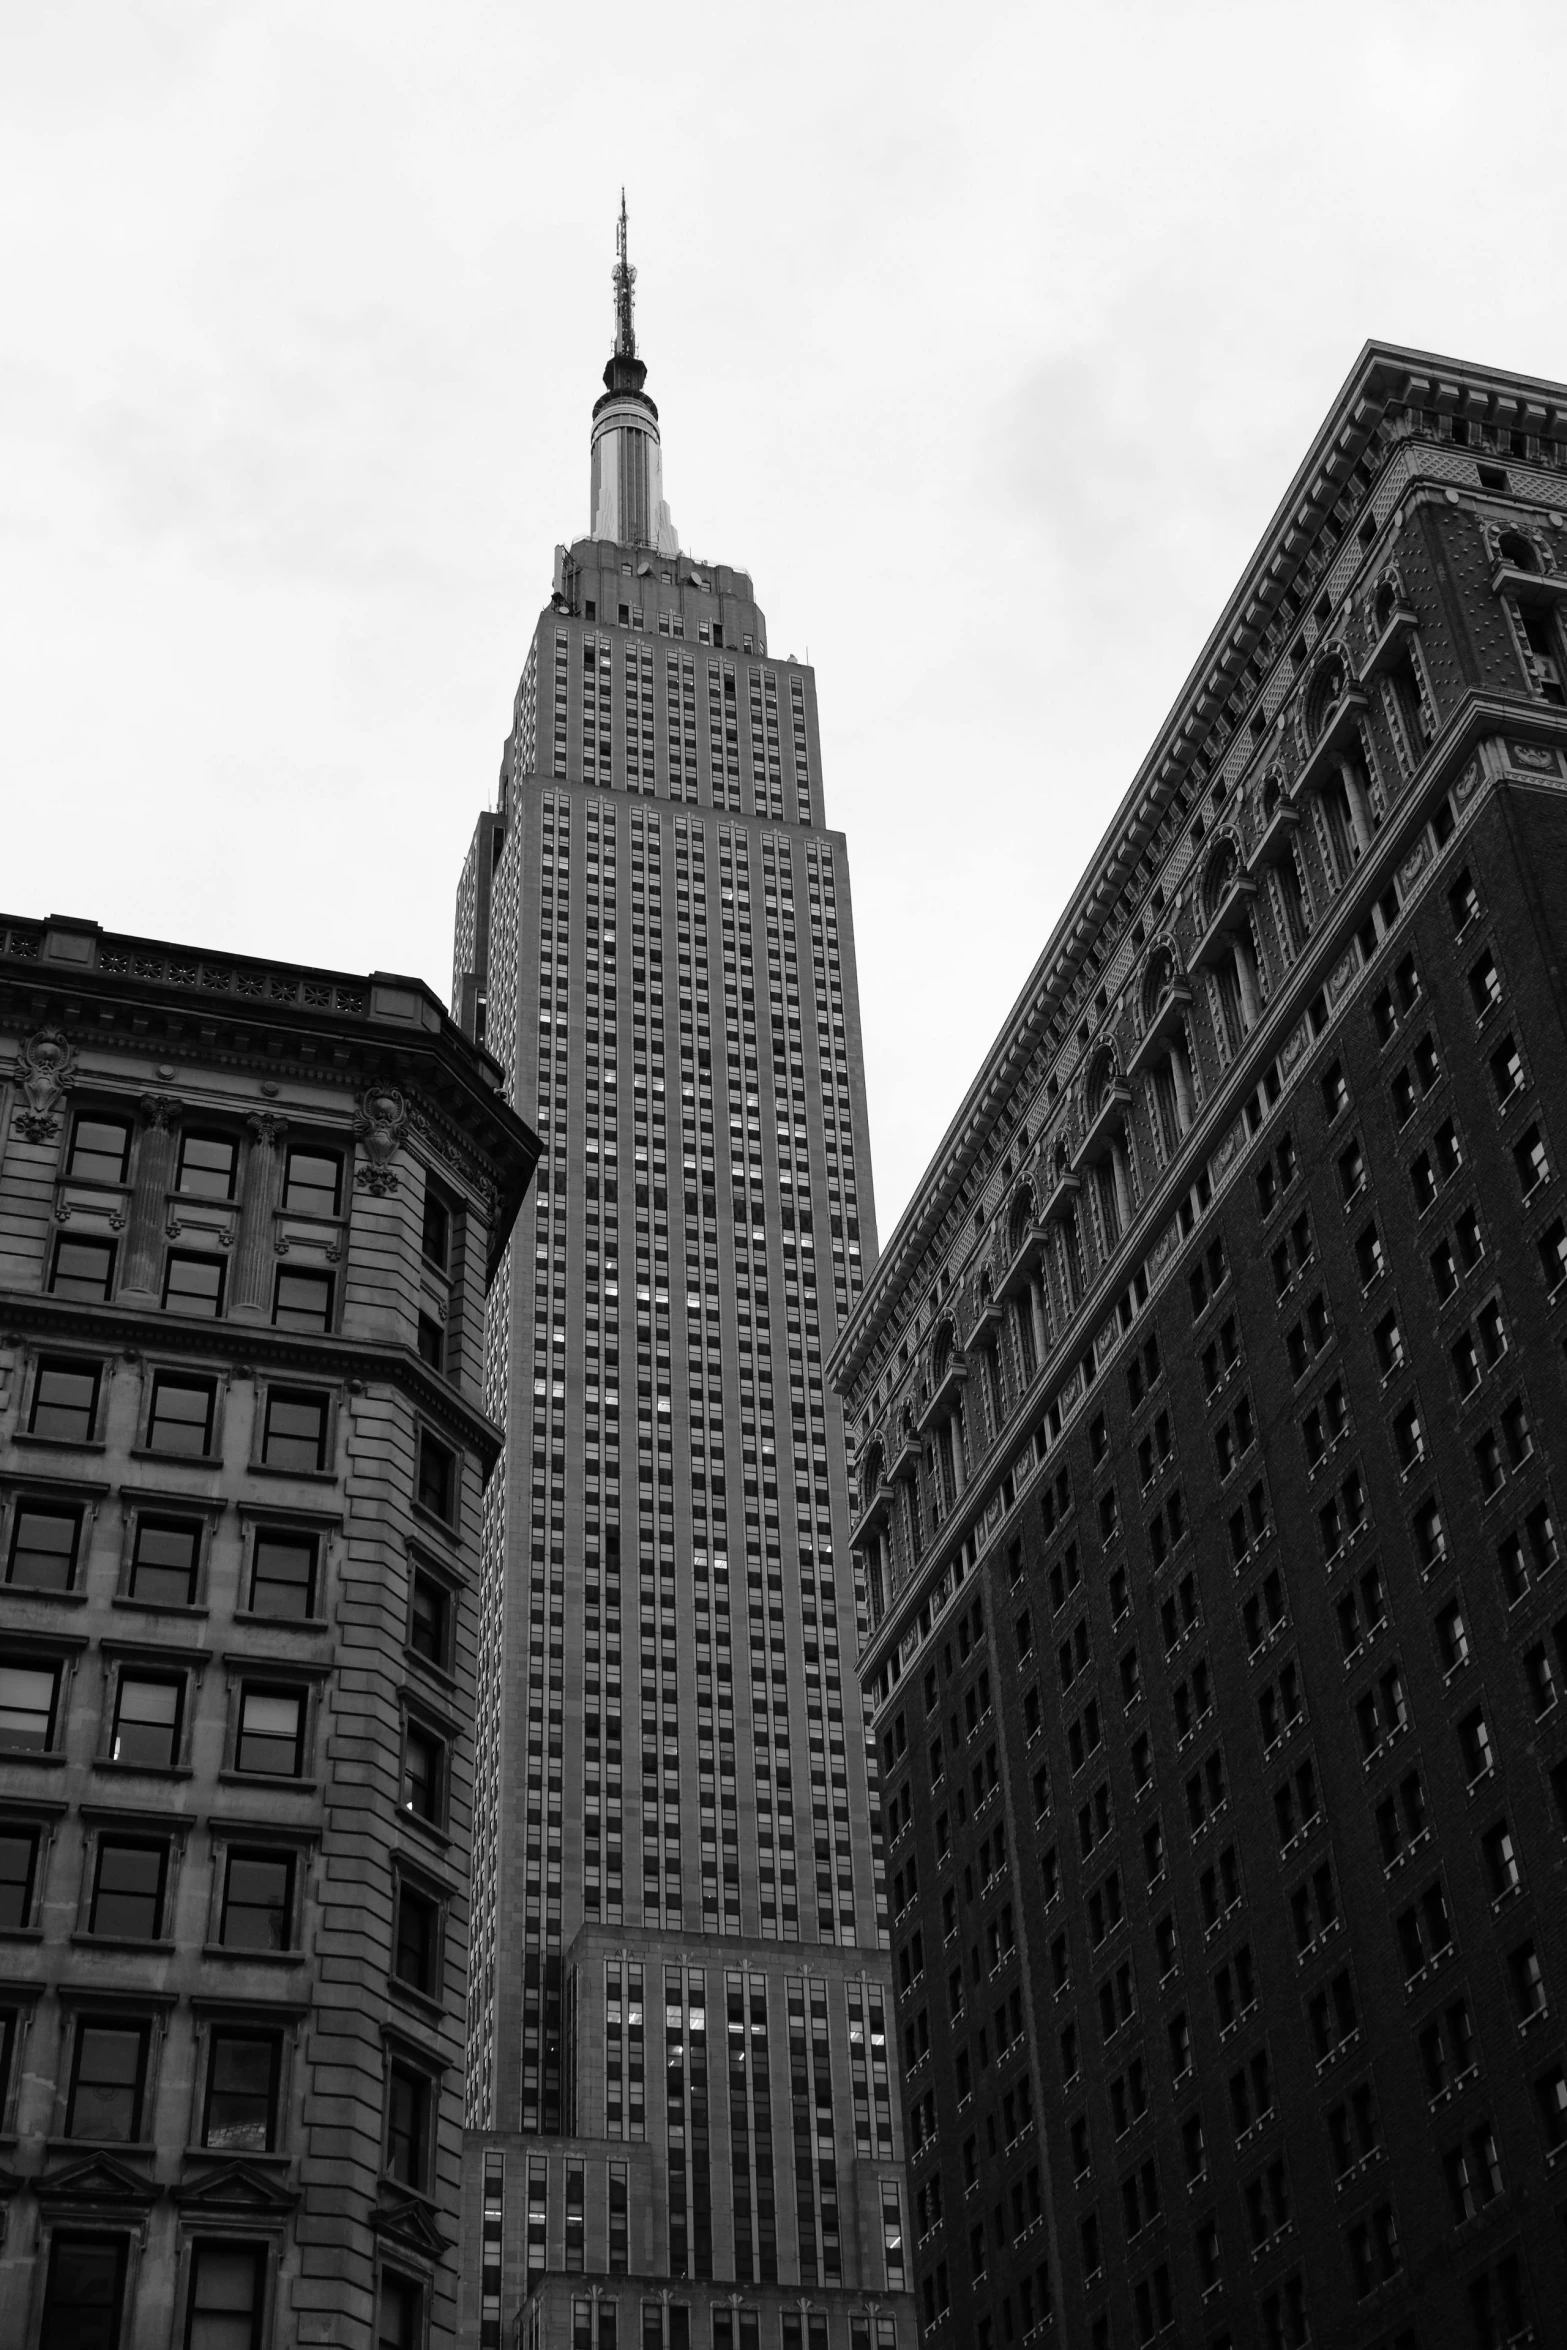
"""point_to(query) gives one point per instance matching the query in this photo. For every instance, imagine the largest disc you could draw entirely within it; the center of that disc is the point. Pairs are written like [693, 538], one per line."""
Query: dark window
[82, 1268]
[65, 1401]
[294, 1436]
[147, 1714]
[407, 2125]
[429, 1618]
[44, 1544]
[271, 1739]
[313, 1185]
[207, 1163]
[194, 1286]
[400, 2310]
[182, 1416]
[164, 1561]
[28, 1694]
[128, 1888]
[108, 2082]
[258, 1901]
[85, 2291]
[303, 1301]
[100, 1149]
[416, 1957]
[240, 2116]
[424, 1757]
[18, 1874]
[436, 1240]
[283, 1574]
[437, 1476]
[227, 2297]
[432, 1341]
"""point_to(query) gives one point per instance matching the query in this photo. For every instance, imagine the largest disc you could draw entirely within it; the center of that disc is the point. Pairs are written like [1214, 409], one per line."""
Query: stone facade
[248, 1215]
[1210, 1400]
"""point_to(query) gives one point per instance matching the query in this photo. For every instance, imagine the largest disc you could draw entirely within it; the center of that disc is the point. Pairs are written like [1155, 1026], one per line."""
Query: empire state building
[684, 2126]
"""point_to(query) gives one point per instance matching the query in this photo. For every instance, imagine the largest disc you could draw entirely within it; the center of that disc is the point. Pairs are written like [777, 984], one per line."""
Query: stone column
[160, 1114]
[1036, 1300]
[254, 1255]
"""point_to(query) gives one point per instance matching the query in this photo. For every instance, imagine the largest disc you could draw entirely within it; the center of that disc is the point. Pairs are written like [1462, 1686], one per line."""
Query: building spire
[627, 495]
[625, 278]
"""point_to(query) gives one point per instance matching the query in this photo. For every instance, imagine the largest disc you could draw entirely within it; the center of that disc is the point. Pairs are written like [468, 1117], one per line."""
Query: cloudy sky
[987, 339]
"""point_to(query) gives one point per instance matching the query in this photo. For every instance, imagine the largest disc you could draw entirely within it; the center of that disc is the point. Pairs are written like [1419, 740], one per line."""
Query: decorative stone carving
[45, 1068]
[381, 1123]
[161, 1111]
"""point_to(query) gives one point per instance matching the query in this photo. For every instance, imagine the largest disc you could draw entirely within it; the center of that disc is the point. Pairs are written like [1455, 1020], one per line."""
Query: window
[86, 2290]
[206, 1165]
[432, 1342]
[437, 1476]
[29, 1695]
[108, 2082]
[165, 1555]
[429, 1618]
[408, 2102]
[399, 2323]
[294, 1433]
[303, 1301]
[18, 1881]
[258, 1901]
[227, 2297]
[44, 1546]
[181, 1419]
[128, 1888]
[313, 1184]
[147, 1719]
[424, 1773]
[283, 1574]
[1373, 2250]
[193, 1285]
[417, 1941]
[240, 2112]
[100, 1149]
[436, 1238]
[65, 1401]
[271, 1735]
[82, 1268]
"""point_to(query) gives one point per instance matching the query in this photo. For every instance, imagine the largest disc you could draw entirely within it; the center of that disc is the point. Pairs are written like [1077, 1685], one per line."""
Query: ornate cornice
[1384, 377]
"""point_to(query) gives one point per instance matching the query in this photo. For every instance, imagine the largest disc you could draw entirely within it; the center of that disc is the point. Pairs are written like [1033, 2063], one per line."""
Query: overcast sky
[986, 338]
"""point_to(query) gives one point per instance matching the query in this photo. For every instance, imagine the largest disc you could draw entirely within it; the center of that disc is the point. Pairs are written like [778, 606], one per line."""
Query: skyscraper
[1211, 1403]
[678, 1872]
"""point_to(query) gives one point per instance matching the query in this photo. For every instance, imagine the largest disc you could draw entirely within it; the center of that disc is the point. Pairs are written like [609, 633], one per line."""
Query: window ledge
[250, 1616]
[262, 1781]
[59, 1443]
[260, 1468]
[37, 1591]
[132, 1770]
[159, 1949]
[235, 1956]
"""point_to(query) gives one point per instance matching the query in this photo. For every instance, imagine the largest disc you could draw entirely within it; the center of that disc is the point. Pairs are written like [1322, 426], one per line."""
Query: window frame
[151, 1666]
[249, 2028]
[262, 2250]
[176, 1375]
[32, 1655]
[423, 1569]
[38, 1825]
[155, 1503]
[419, 1721]
[64, 1239]
[84, 2015]
[404, 2061]
[62, 2232]
[413, 1883]
[263, 1678]
[257, 1522]
[92, 1117]
[310, 1273]
[59, 1499]
[195, 1256]
[240, 1843]
[132, 1831]
[310, 1150]
[261, 1436]
[41, 1366]
[231, 1142]
[451, 1520]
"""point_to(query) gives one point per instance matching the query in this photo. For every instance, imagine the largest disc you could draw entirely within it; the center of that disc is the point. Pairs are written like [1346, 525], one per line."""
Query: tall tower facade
[683, 2116]
[1211, 1406]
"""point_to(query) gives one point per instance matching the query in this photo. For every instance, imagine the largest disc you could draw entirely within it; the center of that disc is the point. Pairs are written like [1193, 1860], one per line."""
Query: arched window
[1516, 551]
[1386, 603]
[1020, 1219]
[1101, 1076]
[1272, 798]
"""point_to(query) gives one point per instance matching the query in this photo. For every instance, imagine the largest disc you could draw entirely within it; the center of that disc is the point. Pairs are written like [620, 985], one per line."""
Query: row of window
[147, 1719]
[183, 1420]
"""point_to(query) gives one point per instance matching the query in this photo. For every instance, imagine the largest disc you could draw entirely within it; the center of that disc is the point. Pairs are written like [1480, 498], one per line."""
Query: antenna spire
[625, 278]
